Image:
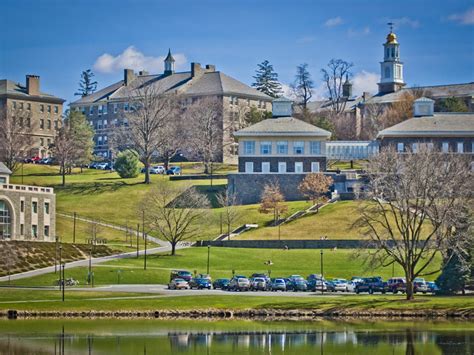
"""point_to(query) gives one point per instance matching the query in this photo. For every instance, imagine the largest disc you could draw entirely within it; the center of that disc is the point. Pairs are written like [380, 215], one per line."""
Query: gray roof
[4, 169]
[282, 126]
[440, 124]
[8, 87]
[324, 105]
[209, 83]
[437, 92]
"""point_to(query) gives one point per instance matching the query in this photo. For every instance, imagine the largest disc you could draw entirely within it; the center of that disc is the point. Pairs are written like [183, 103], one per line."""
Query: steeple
[169, 63]
[347, 88]
[391, 69]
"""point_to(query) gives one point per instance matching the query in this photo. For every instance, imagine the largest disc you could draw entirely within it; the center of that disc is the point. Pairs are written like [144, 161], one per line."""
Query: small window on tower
[387, 72]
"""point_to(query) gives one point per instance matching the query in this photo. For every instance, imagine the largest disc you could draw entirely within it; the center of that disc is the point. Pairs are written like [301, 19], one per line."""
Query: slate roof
[282, 126]
[8, 87]
[437, 91]
[210, 83]
[323, 105]
[4, 169]
[440, 124]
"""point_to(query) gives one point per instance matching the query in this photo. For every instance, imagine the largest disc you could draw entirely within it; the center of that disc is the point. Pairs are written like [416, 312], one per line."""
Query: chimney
[143, 73]
[196, 69]
[128, 76]
[365, 95]
[210, 68]
[32, 84]
[423, 107]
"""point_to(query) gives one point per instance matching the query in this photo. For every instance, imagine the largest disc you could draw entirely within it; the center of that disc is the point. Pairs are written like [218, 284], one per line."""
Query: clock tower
[391, 69]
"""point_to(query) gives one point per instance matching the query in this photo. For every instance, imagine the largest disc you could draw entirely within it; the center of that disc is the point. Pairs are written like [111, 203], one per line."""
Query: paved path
[85, 262]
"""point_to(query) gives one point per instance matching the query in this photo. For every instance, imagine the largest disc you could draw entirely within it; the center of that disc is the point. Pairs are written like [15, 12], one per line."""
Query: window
[115, 108]
[315, 167]
[41, 124]
[282, 147]
[281, 167]
[105, 139]
[46, 231]
[34, 231]
[34, 207]
[14, 104]
[400, 147]
[125, 106]
[387, 72]
[91, 110]
[22, 229]
[41, 108]
[28, 122]
[46, 208]
[22, 206]
[56, 109]
[49, 124]
[99, 110]
[414, 147]
[249, 147]
[315, 147]
[299, 167]
[21, 105]
[48, 141]
[249, 167]
[41, 141]
[5, 220]
[28, 106]
[460, 147]
[49, 108]
[298, 148]
[3, 180]
[265, 167]
[56, 124]
[265, 148]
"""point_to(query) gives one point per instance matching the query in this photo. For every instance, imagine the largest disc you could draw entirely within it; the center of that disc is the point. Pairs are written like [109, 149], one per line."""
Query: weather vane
[391, 26]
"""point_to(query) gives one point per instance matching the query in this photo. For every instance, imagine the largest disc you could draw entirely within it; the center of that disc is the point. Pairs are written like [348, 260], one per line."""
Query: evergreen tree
[266, 80]
[451, 104]
[87, 85]
[127, 164]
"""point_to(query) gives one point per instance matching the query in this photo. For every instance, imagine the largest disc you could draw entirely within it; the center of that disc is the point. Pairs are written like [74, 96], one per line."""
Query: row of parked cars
[160, 169]
[37, 160]
[182, 279]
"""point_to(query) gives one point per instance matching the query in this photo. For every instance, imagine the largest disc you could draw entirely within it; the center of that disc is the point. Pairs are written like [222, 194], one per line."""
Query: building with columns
[108, 106]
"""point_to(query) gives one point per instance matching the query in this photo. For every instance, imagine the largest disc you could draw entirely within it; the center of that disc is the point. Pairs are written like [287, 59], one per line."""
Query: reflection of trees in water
[454, 343]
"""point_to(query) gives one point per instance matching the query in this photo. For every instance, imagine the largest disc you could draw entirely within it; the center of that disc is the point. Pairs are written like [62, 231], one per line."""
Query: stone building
[445, 131]
[281, 149]
[26, 212]
[109, 105]
[39, 113]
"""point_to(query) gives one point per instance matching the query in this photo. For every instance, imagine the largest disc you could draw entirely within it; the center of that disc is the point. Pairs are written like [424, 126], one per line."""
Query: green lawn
[337, 263]
[107, 301]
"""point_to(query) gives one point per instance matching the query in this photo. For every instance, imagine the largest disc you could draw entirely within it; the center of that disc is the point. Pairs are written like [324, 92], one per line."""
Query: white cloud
[465, 18]
[334, 21]
[365, 81]
[131, 58]
[305, 39]
[403, 22]
[358, 32]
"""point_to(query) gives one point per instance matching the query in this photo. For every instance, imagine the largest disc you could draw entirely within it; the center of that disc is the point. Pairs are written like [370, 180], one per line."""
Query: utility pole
[74, 230]
[322, 272]
[138, 238]
[64, 280]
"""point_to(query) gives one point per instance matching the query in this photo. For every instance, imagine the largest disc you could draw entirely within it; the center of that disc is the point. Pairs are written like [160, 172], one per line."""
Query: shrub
[127, 164]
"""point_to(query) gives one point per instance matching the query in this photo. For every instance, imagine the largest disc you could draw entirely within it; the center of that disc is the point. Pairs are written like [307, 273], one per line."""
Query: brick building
[37, 112]
[26, 212]
[109, 105]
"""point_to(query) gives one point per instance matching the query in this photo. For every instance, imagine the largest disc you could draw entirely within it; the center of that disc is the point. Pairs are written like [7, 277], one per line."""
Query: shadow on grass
[95, 188]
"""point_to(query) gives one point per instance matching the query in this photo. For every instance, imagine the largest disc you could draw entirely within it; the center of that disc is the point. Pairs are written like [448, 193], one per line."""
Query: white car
[101, 166]
[157, 169]
[341, 285]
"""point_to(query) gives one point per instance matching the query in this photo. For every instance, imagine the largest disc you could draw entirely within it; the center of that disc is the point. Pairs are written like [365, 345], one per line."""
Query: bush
[127, 164]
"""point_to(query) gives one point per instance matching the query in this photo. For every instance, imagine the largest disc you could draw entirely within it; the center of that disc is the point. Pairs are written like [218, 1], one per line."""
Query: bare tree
[228, 201]
[315, 186]
[303, 85]
[64, 150]
[206, 130]
[146, 126]
[273, 201]
[333, 77]
[15, 141]
[175, 213]
[416, 203]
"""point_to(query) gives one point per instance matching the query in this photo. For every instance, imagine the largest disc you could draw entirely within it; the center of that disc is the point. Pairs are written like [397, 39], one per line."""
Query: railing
[26, 188]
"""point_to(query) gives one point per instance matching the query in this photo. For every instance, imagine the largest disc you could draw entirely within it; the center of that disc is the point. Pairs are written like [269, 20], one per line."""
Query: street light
[322, 272]
[144, 260]
[208, 257]
[64, 280]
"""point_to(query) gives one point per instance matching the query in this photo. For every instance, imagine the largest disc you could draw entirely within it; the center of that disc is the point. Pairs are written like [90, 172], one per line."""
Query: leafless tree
[174, 212]
[15, 142]
[415, 208]
[206, 129]
[272, 200]
[228, 201]
[146, 126]
[64, 150]
[333, 77]
[303, 85]
[315, 186]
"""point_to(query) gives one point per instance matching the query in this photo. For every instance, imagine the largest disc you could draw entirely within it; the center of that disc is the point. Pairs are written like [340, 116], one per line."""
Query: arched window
[387, 72]
[5, 220]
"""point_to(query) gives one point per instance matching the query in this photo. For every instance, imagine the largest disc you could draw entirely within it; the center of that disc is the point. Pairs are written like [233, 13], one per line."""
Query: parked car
[420, 285]
[221, 283]
[340, 285]
[200, 283]
[45, 161]
[181, 274]
[173, 170]
[432, 287]
[239, 284]
[93, 165]
[371, 285]
[296, 284]
[101, 166]
[33, 160]
[319, 285]
[258, 284]
[204, 276]
[278, 285]
[178, 284]
[157, 169]
[396, 284]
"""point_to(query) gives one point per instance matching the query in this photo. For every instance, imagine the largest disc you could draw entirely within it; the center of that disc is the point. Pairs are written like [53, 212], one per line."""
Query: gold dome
[392, 38]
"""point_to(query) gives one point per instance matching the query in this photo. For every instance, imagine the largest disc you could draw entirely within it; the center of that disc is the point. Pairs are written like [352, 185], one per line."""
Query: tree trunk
[173, 248]
[147, 172]
[206, 168]
[64, 174]
[410, 289]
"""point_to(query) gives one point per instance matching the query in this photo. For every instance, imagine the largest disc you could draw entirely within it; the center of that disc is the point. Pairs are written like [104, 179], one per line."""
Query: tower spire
[391, 69]
[169, 63]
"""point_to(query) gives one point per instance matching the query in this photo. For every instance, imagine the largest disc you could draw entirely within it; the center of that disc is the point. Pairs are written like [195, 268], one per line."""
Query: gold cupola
[392, 38]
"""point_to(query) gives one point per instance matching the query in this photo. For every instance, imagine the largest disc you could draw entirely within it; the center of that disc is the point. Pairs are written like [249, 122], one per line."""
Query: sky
[58, 39]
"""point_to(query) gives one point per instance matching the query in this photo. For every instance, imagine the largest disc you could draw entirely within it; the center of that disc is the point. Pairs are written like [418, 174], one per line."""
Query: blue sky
[57, 39]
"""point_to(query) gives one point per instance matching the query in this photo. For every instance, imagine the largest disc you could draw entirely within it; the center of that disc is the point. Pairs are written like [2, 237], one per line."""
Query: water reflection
[348, 341]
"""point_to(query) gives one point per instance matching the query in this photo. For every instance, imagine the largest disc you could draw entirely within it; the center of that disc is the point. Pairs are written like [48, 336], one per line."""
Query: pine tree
[266, 80]
[86, 86]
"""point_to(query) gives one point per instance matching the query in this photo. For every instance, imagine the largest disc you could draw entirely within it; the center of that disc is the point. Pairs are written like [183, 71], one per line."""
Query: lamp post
[144, 260]
[208, 257]
[60, 257]
[322, 272]
[74, 230]
[56, 257]
[138, 239]
[64, 280]
[90, 266]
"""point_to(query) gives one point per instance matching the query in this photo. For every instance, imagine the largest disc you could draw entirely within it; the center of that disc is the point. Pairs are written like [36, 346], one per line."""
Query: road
[85, 262]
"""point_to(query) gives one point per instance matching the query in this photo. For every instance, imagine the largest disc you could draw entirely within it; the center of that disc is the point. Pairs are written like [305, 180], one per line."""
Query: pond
[28, 337]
